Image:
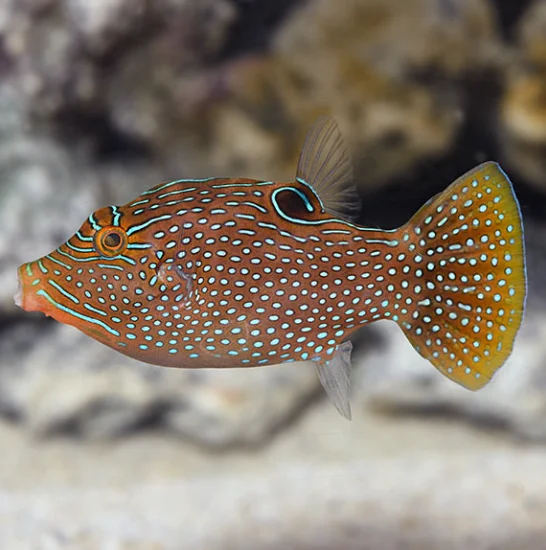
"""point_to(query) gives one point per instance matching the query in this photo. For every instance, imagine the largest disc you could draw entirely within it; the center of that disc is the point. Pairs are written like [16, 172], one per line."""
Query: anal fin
[335, 377]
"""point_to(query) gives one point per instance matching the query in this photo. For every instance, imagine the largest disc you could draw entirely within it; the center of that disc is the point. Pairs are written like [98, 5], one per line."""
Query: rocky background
[100, 99]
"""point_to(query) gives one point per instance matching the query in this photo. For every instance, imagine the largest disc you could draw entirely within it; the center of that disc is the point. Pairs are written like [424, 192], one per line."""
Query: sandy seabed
[375, 483]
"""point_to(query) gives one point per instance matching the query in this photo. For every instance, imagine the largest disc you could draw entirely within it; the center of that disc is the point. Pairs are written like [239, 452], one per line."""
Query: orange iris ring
[111, 241]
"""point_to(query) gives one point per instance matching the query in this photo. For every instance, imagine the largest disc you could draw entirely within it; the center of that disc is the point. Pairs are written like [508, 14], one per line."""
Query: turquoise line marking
[29, 270]
[35, 282]
[125, 259]
[287, 234]
[41, 266]
[78, 249]
[303, 197]
[268, 225]
[76, 314]
[257, 206]
[116, 214]
[72, 257]
[92, 221]
[330, 220]
[63, 291]
[177, 192]
[138, 246]
[95, 310]
[302, 222]
[297, 220]
[393, 243]
[281, 231]
[95, 258]
[107, 266]
[171, 183]
[82, 237]
[172, 203]
[311, 188]
[236, 184]
[136, 228]
[58, 261]
[246, 217]
[335, 231]
[137, 203]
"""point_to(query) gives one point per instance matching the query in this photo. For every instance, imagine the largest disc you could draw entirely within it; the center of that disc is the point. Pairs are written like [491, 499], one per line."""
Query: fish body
[229, 273]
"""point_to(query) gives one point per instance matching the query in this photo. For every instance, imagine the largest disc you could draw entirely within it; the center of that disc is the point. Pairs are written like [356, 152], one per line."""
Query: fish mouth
[18, 296]
[26, 297]
[21, 296]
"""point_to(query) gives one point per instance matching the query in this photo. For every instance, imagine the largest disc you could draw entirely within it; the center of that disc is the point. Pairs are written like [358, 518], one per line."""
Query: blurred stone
[145, 85]
[152, 73]
[395, 37]
[44, 197]
[102, 24]
[162, 86]
[390, 72]
[522, 111]
[68, 383]
[67, 52]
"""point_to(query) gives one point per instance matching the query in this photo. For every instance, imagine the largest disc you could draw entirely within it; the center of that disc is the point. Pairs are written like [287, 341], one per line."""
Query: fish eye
[110, 241]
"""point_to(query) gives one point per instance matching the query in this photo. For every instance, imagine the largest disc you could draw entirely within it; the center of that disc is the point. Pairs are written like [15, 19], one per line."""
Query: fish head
[108, 280]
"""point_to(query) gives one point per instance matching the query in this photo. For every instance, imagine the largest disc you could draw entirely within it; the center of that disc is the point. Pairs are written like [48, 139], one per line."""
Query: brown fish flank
[239, 272]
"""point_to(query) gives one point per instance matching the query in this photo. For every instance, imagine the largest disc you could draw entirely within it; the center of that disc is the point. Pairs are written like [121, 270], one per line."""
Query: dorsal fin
[325, 165]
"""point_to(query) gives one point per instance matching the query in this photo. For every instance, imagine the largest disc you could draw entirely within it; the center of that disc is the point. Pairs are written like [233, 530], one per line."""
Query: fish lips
[26, 296]
[18, 296]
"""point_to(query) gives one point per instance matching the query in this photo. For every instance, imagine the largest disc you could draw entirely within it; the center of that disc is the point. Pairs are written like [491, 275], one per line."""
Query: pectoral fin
[174, 278]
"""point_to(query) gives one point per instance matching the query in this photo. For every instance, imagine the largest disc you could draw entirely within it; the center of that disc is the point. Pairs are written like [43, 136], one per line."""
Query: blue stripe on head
[76, 314]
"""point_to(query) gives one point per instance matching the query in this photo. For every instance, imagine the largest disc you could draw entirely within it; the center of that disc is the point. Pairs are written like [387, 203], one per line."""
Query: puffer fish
[224, 273]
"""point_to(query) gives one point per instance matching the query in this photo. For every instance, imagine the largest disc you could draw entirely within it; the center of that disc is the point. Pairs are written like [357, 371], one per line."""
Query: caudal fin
[467, 284]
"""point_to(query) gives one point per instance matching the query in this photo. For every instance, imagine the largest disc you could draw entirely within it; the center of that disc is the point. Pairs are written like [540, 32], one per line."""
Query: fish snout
[18, 296]
[28, 282]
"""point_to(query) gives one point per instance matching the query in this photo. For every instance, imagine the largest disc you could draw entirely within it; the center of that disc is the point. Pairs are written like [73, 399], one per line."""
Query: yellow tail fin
[468, 280]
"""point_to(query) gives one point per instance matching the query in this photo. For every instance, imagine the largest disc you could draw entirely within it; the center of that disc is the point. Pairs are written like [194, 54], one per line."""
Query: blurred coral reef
[101, 99]
[523, 105]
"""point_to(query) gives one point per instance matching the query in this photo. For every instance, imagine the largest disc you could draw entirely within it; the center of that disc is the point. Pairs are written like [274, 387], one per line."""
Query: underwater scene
[271, 274]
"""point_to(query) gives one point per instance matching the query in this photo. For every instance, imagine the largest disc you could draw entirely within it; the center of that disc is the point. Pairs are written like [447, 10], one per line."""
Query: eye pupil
[112, 240]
